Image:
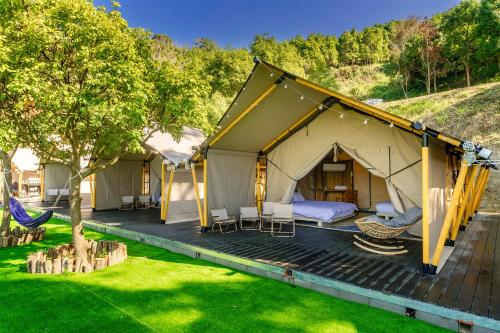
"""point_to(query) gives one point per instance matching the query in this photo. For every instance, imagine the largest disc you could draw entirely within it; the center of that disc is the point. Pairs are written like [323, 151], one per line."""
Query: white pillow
[297, 196]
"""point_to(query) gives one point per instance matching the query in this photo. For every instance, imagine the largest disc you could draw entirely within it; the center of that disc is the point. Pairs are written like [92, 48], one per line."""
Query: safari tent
[280, 127]
[138, 175]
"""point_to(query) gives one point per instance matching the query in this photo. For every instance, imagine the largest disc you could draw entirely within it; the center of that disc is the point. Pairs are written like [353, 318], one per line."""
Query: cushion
[411, 216]
[385, 207]
[297, 196]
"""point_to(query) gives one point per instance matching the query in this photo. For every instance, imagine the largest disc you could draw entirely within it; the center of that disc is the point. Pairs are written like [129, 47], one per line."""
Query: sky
[234, 23]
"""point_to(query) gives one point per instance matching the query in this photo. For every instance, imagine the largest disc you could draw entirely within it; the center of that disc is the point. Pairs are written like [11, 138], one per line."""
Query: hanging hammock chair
[19, 214]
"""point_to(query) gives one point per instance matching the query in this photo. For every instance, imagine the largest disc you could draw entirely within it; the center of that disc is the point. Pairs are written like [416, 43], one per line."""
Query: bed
[321, 211]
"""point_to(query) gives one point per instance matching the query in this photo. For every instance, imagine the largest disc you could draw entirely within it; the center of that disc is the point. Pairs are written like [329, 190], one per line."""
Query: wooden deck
[469, 281]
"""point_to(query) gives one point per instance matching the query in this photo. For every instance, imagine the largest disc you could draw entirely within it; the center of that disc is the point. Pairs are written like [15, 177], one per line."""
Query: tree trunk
[75, 202]
[428, 79]
[7, 186]
[435, 84]
[467, 73]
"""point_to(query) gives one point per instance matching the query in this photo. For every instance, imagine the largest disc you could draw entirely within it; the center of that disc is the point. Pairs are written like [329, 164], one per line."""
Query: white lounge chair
[221, 218]
[266, 216]
[127, 202]
[282, 214]
[249, 214]
[143, 202]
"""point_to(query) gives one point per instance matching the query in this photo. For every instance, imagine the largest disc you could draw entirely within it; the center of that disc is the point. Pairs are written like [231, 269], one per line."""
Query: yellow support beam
[93, 191]
[42, 183]
[252, 106]
[197, 193]
[258, 188]
[481, 189]
[425, 203]
[465, 202]
[457, 191]
[19, 182]
[162, 203]
[205, 192]
[169, 192]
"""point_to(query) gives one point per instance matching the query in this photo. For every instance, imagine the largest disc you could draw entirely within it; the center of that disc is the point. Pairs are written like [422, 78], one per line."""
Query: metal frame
[425, 203]
[197, 193]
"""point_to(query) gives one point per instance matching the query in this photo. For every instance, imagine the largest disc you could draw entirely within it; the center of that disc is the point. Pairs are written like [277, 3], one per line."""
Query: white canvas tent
[293, 124]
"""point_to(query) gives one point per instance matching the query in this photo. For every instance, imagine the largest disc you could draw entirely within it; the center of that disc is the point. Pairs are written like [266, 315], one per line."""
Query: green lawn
[156, 290]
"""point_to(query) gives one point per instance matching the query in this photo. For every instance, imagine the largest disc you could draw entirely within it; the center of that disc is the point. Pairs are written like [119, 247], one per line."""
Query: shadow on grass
[156, 290]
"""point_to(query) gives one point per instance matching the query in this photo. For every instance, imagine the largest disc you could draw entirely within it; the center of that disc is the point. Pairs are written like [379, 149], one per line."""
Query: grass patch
[159, 291]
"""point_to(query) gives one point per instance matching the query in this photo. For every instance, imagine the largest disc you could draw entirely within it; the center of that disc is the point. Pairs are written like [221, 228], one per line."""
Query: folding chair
[143, 202]
[127, 202]
[249, 214]
[267, 214]
[282, 214]
[220, 218]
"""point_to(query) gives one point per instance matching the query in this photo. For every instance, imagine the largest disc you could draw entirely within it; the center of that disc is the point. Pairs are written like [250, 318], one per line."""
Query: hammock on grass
[20, 215]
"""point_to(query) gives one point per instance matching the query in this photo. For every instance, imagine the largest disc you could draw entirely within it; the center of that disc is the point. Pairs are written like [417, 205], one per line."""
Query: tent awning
[273, 104]
[176, 151]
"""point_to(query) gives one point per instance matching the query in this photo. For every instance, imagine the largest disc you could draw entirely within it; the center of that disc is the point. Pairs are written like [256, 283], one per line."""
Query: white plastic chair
[143, 202]
[282, 214]
[249, 214]
[127, 202]
[267, 214]
[221, 218]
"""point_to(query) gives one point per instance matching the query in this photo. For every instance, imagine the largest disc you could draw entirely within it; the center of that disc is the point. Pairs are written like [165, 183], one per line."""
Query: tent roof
[176, 151]
[25, 160]
[273, 104]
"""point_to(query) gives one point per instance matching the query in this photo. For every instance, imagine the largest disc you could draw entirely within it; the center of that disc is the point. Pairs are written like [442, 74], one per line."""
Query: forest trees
[94, 92]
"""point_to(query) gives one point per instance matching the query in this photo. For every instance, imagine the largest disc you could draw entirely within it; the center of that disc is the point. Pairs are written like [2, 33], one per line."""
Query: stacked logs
[19, 236]
[62, 258]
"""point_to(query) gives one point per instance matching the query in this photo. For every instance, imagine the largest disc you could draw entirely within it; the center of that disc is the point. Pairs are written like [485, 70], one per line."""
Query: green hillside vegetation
[472, 113]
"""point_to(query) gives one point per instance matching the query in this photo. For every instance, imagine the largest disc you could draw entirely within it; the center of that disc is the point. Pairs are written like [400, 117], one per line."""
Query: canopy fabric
[231, 180]
[381, 149]
[25, 160]
[176, 151]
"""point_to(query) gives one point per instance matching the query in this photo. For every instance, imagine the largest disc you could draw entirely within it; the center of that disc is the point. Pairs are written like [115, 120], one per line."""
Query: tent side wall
[231, 180]
[121, 179]
[182, 205]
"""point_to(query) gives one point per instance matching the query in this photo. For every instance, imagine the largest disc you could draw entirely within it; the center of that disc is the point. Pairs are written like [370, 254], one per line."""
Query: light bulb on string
[302, 97]
[286, 86]
[365, 122]
[271, 75]
[320, 107]
[391, 124]
[341, 115]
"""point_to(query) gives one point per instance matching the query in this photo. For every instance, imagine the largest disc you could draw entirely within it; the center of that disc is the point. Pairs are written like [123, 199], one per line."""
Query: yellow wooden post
[162, 203]
[19, 182]
[425, 203]
[205, 192]
[465, 203]
[258, 188]
[42, 183]
[197, 193]
[457, 191]
[481, 189]
[169, 191]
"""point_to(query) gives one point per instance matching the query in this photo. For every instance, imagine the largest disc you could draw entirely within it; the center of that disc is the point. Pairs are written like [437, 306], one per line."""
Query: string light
[286, 86]
[341, 115]
[391, 125]
[320, 107]
[365, 122]
[302, 97]
[272, 74]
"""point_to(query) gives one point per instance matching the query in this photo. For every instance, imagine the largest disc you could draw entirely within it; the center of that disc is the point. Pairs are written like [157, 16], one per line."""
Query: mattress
[324, 211]
[385, 207]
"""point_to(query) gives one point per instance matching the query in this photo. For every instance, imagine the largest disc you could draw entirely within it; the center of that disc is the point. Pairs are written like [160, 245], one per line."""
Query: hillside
[469, 113]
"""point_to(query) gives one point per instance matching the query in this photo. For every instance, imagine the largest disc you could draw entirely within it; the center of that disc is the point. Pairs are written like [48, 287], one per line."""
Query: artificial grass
[159, 291]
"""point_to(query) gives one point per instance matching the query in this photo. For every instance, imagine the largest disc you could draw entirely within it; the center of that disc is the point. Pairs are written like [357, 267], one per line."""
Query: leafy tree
[374, 46]
[429, 52]
[98, 94]
[458, 27]
[488, 34]
[350, 47]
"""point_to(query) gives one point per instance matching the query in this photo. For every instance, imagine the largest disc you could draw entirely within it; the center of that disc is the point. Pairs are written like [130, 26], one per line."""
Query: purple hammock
[20, 215]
